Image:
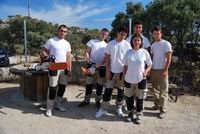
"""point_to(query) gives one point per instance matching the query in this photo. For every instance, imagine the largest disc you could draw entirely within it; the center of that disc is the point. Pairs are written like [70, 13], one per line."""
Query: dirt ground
[20, 116]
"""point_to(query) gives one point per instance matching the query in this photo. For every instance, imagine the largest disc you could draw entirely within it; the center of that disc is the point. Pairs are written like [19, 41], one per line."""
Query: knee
[52, 92]
[107, 94]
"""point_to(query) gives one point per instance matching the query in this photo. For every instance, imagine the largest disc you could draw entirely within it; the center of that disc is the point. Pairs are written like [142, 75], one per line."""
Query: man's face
[104, 35]
[62, 32]
[137, 28]
[121, 35]
[157, 35]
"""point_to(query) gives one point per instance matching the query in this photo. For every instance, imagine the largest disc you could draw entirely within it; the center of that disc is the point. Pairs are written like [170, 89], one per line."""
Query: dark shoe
[98, 104]
[130, 117]
[162, 115]
[82, 104]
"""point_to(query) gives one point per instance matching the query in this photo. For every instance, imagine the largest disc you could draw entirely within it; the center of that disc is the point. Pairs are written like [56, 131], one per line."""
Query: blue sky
[82, 13]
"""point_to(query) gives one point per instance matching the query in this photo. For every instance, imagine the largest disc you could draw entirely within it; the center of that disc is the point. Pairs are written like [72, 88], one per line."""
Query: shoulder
[112, 42]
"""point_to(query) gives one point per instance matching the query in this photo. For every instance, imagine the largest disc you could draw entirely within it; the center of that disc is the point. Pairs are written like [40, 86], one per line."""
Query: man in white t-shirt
[161, 51]
[61, 50]
[138, 30]
[114, 53]
[95, 57]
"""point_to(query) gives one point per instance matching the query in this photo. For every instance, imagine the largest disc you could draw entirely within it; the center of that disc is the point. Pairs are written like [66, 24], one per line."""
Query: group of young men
[122, 64]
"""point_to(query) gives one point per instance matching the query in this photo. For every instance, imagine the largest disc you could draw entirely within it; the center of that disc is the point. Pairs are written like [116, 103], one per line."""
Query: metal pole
[25, 42]
[29, 10]
[130, 21]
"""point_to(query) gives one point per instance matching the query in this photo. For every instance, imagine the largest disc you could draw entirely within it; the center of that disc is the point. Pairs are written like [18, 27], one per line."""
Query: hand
[107, 75]
[165, 73]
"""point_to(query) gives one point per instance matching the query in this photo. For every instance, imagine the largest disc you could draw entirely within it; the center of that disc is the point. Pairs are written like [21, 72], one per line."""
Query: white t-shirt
[159, 50]
[117, 50]
[58, 48]
[145, 41]
[97, 50]
[136, 61]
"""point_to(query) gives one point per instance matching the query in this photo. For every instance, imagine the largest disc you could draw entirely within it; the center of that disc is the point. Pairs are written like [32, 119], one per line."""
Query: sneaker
[59, 107]
[120, 112]
[98, 104]
[129, 117]
[162, 115]
[100, 113]
[49, 113]
[139, 118]
[82, 104]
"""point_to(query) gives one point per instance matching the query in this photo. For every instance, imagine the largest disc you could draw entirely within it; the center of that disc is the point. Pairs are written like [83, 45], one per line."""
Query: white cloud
[71, 16]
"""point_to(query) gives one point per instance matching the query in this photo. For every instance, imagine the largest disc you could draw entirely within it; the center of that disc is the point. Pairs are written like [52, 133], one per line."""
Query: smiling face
[136, 43]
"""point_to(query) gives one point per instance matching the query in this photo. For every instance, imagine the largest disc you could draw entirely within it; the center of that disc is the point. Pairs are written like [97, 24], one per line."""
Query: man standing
[61, 49]
[95, 58]
[114, 53]
[138, 27]
[161, 51]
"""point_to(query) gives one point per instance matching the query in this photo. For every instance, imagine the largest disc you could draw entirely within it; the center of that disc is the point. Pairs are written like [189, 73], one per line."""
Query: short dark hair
[63, 25]
[104, 29]
[122, 29]
[136, 36]
[138, 22]
[156, 28]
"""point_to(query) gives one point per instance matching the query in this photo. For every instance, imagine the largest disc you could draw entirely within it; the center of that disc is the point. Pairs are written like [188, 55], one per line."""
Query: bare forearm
[69, 61]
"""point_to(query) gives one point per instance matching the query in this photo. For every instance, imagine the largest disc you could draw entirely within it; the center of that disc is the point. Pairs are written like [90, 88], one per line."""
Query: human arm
[87, 54]
[168, 62]
[107, 62]
[44, 53]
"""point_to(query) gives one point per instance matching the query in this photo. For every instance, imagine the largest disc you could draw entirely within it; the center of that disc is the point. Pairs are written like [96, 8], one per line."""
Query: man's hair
[156, 28]
[122, 29]
[62, 26]
[138, 22]
[104, 29]
[136, 36]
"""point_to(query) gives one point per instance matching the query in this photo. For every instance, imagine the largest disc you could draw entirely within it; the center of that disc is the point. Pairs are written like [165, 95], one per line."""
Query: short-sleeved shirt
[58, 48]
[145, 41]
[136, 61]
[159, 51]
[97, 50]
[117, 51]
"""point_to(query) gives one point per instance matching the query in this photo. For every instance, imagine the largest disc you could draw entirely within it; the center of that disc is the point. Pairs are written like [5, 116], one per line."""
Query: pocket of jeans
[142, 84]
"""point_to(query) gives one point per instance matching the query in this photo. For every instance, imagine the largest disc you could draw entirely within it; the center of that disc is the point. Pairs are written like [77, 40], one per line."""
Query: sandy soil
[19, 116]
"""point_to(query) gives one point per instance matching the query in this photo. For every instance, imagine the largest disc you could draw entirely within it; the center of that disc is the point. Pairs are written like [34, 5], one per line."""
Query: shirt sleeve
[47, 45]
[125, 59]
[148, 58]
[168, 47]
[89, 43]
[107, 49]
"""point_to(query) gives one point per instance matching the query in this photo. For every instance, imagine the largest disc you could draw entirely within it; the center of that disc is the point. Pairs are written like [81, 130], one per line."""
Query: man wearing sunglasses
[61, 50]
